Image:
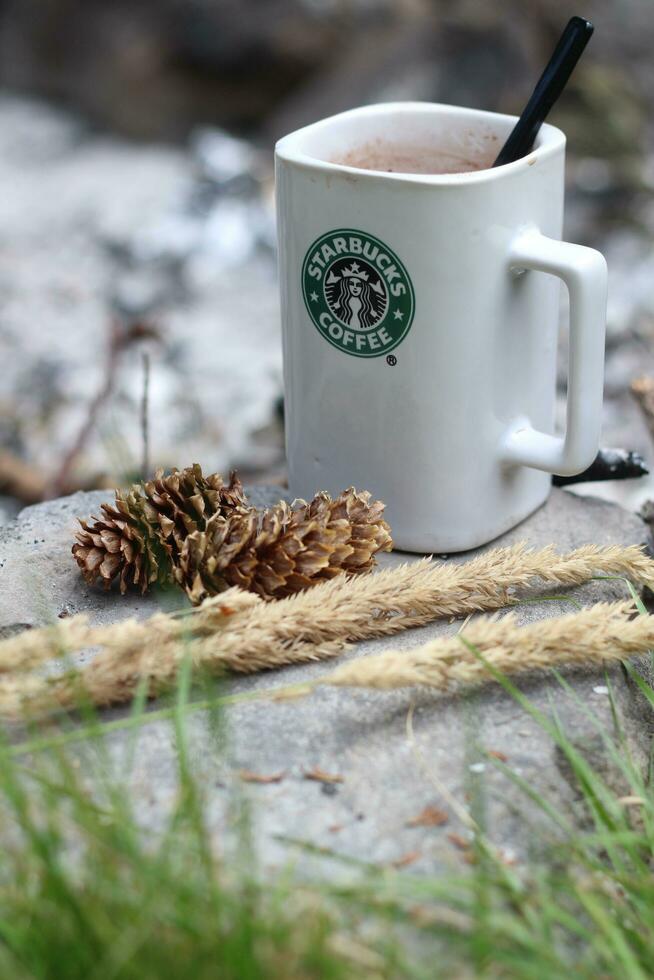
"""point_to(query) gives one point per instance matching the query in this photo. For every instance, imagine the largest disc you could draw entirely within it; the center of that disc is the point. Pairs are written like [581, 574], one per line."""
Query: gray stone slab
[39, 580]
[396, 752]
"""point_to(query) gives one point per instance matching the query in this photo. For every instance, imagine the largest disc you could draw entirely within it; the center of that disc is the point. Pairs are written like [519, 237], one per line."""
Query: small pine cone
[120, 545]
[139, 539]
[284, 549]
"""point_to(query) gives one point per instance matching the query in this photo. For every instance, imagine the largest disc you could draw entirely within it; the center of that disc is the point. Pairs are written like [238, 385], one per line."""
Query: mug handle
[584, 272]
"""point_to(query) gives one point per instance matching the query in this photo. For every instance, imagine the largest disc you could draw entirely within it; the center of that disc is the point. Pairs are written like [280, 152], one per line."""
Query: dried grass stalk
[238, 631]
[413, 595]
[603, 634]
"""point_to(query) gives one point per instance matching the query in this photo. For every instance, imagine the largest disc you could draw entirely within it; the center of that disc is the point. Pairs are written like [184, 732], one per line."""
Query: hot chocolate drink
[407, 158]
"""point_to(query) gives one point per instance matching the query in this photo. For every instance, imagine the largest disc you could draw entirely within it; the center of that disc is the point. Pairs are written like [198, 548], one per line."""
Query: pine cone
[139, 539]
[284, 550]
[181, 503]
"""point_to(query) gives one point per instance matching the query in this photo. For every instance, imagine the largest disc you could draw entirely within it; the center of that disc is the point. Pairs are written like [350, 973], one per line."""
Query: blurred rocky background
[138, 310]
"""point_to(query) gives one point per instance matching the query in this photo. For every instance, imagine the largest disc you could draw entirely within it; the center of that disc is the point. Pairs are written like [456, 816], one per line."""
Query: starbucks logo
[357, 293]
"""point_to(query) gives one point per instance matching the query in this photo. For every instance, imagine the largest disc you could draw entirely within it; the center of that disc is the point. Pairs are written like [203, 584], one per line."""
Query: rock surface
[396, 753]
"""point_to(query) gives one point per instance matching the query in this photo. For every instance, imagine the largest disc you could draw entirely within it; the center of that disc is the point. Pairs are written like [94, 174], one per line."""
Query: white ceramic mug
[419, 328]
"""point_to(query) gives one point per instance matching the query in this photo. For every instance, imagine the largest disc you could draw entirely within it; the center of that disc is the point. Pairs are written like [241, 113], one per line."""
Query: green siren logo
[357, 292]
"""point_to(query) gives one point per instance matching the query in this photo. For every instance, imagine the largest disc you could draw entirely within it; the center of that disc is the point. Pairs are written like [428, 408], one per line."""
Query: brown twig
[20, 479]
[29, 485]
[145, 426]
[120, 337]
[114, 347]
[643, 391]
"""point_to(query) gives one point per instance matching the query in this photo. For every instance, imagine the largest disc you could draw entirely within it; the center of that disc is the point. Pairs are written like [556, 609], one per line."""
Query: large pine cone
[284, 550]
[139, 539]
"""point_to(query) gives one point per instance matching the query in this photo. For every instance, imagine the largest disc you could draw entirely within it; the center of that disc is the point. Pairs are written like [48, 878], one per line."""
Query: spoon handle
[565, 56]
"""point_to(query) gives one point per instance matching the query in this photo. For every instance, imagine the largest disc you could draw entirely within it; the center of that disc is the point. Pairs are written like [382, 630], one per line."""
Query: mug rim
[550, 140]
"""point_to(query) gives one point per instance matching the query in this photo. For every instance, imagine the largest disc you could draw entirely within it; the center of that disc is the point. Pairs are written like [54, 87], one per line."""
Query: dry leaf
[406, 859]
[431, 816]
[631, 800]
[422, 916]
[496, 754]
[257, 777]
[320, 776]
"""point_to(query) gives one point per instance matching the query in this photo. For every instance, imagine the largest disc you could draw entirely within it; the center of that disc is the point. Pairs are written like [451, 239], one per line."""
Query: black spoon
[548, 88]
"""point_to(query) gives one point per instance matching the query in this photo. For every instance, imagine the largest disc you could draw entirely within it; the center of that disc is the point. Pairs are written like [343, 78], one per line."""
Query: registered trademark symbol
[391, 360]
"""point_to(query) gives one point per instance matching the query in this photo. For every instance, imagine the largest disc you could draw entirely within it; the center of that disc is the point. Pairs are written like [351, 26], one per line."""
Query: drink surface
[387, 156]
